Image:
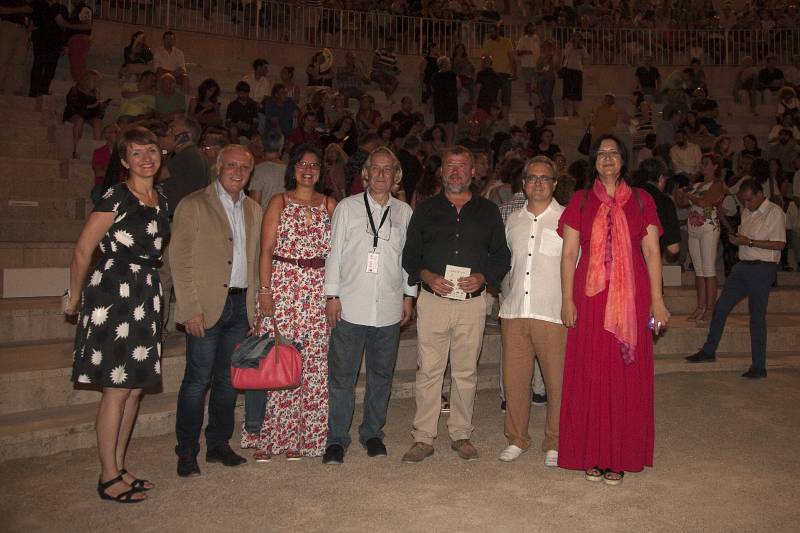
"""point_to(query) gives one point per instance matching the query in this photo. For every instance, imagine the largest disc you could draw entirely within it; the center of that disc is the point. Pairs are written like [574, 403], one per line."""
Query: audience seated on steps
[169, 59]
[84, 106]
[138, 98]
[169, 100]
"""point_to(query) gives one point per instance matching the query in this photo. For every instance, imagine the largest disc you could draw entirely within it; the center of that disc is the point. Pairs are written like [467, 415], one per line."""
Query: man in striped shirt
[385, 69]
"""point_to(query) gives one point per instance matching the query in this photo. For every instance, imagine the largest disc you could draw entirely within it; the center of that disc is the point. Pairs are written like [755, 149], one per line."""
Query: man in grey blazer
[213, 257]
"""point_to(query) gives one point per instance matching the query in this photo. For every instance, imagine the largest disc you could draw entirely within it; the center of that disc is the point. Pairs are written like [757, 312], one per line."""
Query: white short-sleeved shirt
[259, 88]
[171, 61]
[534, 282]
[767, 223]
[528, 43]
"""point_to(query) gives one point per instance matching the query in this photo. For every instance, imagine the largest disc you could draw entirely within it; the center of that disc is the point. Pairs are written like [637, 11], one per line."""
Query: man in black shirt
[653, 179]
[647, 77]
[184, 173]
[487, 85]
[405, 114]
[49, 20]
[242, 114]
[771, 77]
[455, 247]
[409, 157]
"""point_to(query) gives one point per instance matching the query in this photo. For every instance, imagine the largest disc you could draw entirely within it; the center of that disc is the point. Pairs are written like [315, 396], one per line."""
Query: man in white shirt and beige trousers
[761, 237]
[368, 299]
[531, 313]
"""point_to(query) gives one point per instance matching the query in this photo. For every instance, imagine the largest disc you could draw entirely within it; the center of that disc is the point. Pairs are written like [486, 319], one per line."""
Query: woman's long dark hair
[430, 180]
[206, 86]
[297, 155]
[623, 153]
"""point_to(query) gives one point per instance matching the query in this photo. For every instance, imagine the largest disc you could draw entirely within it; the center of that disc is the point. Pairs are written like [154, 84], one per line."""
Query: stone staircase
[45, 202]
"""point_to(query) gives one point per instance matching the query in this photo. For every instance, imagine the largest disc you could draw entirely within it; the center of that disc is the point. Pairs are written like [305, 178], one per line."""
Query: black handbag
[586, 143]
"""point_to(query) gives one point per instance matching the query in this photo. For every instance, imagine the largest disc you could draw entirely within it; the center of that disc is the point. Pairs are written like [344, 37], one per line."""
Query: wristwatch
[750, 243]
[329, 298]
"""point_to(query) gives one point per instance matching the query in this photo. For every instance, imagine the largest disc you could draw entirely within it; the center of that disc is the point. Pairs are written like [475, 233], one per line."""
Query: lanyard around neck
[372, 222]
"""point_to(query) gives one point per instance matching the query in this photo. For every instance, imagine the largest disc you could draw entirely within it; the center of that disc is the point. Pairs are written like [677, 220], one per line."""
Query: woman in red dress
[607, 422]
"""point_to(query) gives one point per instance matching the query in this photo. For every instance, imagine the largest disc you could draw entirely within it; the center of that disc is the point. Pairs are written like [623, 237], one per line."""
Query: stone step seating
[42, 415]
[36, 254]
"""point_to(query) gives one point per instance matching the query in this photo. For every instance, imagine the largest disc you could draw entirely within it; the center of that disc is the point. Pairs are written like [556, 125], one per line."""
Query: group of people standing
[340, 280]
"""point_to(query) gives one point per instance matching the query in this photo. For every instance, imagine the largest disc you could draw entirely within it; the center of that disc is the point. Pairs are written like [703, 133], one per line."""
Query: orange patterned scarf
[611, 260]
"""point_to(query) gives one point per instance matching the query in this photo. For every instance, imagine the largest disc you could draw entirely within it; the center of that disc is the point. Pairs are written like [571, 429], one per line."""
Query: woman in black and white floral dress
[118, 338]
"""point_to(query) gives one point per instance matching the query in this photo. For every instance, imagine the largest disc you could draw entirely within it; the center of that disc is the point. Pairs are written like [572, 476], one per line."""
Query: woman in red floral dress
[295, 240]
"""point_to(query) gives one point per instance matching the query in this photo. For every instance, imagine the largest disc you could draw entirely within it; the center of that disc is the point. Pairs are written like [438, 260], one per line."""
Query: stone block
[32, 282]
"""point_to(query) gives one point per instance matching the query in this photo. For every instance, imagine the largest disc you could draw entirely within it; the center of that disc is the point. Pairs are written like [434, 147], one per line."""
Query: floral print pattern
[118, 338]
[296, 421]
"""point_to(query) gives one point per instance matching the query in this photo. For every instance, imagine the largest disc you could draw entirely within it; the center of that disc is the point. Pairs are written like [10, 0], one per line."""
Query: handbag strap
[276, 332]
[277, 340]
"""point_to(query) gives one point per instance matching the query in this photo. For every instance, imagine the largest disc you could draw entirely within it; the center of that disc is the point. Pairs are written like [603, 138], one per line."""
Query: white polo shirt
[767, 223]
[170, 61]
[534, 282]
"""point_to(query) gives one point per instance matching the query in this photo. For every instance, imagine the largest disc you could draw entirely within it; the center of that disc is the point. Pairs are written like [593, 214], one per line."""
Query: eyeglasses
[607, 154]
[533, 178]
[308, 164]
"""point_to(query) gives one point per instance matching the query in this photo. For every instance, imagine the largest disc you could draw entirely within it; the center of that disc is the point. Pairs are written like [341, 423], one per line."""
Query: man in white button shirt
[368, 299]
[531, 313]
[685, 155]
[170, 60]
[761, 237]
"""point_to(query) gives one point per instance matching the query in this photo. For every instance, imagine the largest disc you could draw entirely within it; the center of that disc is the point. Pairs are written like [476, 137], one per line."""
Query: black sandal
[138, 484]
[124, 497]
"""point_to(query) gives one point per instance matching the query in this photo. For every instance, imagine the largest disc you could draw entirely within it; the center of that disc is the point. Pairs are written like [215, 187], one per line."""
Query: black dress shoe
[375, 447]
[701, 357]
[225, 455]
[187, 465]
[755, 373]
[334, 455]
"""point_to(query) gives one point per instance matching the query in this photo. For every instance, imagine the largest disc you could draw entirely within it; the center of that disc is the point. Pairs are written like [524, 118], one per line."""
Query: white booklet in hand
[452, 274]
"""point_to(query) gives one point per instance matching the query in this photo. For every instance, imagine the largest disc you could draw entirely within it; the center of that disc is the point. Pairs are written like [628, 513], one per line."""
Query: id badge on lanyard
[373, 257]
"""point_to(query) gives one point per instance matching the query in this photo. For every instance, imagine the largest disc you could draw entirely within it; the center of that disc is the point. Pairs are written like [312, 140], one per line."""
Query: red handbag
[280, 369]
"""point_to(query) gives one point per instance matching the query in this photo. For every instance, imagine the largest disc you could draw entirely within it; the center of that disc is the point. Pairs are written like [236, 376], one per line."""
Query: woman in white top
[575, 55]
[704, 231]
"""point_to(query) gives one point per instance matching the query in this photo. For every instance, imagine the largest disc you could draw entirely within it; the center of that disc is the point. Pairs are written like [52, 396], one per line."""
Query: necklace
[148, 196]
[305, 215]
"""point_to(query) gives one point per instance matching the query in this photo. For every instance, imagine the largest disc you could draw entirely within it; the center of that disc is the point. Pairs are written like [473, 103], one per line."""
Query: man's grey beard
[455, 189]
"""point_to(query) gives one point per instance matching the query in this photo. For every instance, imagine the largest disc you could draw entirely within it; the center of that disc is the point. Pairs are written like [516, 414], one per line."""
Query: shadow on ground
[726, 459]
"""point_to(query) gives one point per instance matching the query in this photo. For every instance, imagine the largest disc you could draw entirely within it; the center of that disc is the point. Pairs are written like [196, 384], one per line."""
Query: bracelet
[260, 291]
[264, 288]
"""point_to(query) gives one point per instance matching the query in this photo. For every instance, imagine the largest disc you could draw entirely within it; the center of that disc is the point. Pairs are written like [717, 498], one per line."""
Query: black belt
[467, 297]
[757, 262]
[232, 291]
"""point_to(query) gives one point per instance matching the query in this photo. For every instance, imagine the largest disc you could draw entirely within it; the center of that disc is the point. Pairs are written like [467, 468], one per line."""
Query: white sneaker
[551, 458]
[510, 453]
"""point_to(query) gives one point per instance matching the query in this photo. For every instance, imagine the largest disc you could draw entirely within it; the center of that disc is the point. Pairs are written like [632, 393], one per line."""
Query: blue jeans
[208, 362]
[255, 406]
[753, 280]
[348, 342]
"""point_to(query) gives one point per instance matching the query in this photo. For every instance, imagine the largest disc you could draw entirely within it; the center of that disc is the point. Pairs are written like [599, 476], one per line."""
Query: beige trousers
[455, 327]
[524, 339]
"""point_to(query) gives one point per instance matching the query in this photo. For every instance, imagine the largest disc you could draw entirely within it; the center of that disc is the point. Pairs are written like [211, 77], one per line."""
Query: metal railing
[355, 30]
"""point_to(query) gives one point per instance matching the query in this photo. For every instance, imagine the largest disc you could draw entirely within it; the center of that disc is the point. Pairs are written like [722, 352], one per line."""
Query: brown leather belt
[313, 262]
